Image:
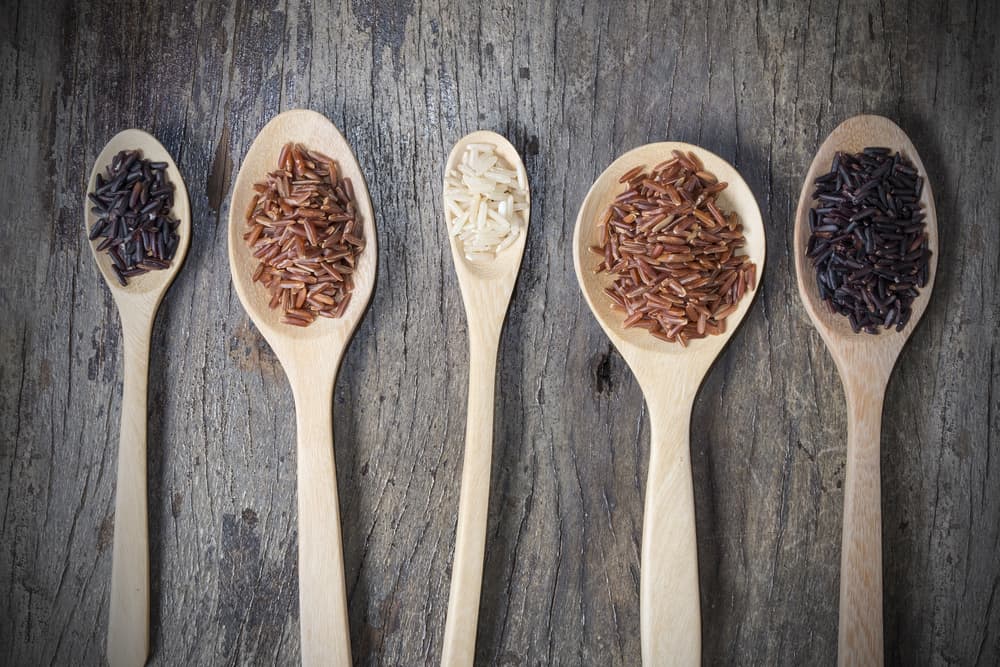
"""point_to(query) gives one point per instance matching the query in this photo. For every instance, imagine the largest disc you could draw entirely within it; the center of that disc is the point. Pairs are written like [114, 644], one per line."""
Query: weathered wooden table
[760, 83]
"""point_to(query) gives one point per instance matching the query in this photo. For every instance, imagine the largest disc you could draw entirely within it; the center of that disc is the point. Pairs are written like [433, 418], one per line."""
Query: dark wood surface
[760, 83]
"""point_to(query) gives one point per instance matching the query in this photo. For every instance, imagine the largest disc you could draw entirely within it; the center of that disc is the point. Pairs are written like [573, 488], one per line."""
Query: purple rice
[132, 202]
[867, 241]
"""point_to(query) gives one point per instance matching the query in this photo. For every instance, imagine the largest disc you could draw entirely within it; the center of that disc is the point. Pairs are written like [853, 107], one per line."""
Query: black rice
[132, 201]
[867, 241]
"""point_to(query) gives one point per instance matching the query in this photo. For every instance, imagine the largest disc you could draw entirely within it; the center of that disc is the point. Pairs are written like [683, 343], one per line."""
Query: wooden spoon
[128, 620]
[486, 289]
[865, 363]
[311, 357]
[669, 375]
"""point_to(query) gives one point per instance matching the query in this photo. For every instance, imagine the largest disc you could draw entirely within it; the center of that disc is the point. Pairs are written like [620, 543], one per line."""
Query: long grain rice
[673, 252]
[485, 202]
[304, 229]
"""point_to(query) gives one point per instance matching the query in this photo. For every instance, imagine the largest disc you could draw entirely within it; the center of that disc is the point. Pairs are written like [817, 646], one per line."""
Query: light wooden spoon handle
[473, 504]
[323, 620]
[860, 633]
[128, 617]
[669, 603]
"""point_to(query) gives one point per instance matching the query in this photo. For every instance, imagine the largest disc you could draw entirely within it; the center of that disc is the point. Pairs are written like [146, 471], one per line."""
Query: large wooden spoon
[128, 619]
[865, 363]
[486, 290]
[311, 357]
[669, 375]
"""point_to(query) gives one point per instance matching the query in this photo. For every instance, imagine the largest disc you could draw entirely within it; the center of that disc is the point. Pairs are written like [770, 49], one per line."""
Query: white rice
[485, 202]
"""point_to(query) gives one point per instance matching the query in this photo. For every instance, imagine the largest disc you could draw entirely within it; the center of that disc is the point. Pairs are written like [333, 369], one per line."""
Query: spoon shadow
[906, 505]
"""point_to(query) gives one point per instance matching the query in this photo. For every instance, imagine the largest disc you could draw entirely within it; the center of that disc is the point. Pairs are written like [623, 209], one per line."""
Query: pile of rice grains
[484, 202]
[132, 203]
[867, 240]
[304, 229]
[673, 252]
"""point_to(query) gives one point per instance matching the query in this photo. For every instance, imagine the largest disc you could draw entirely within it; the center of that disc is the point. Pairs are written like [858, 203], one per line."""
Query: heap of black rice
[132, 201]
[867, 240]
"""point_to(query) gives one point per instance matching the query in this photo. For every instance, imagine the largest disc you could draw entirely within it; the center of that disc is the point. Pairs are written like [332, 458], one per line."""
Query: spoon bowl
[500, 272]
[669, 376]
[852, 136]
[636, 343]
[865, 363]
[148, 287]
[486, 287]
[313, 130]
[137, 302]
[311, 357]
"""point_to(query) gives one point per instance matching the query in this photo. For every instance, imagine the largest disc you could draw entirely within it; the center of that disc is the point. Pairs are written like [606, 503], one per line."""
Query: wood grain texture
[759, 83]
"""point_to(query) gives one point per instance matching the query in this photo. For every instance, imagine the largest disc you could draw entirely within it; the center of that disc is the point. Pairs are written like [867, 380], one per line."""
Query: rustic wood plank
[573, 86]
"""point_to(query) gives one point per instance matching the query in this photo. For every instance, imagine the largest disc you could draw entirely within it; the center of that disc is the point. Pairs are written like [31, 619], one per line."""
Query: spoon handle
[669, 603]
[323, 620]
[860, 629]
[128, 616]
[473, 504]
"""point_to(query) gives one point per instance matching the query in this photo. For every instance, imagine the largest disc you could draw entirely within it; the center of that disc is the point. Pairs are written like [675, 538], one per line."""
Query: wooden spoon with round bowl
[311, 357]
[128, 616]
[669, 376]
[865, 363]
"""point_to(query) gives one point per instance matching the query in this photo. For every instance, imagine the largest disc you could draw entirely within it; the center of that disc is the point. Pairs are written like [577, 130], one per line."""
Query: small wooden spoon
[865, 363]
[486, 290]
[669, 375]
[128, 621]
[311, 357]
